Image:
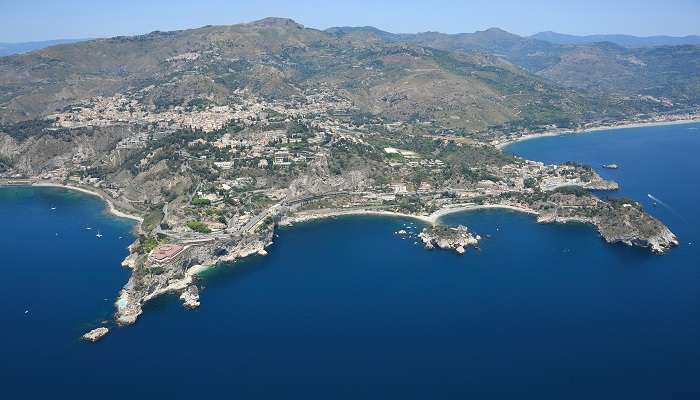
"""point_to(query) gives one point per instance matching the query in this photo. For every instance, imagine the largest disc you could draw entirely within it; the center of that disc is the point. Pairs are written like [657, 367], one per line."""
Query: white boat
[53, 208]
[99, 235]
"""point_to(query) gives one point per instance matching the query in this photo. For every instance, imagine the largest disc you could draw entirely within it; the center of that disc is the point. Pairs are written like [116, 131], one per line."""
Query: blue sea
[344, 308]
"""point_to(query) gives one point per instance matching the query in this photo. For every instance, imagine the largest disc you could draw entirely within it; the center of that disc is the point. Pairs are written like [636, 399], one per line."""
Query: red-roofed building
[165, 253]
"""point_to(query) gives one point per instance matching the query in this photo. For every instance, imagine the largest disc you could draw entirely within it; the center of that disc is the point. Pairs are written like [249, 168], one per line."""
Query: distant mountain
[7, 49]
[528, 53]
[622, 40]
[278, 58]
[601, 67]
[384, 35]
[469, 81]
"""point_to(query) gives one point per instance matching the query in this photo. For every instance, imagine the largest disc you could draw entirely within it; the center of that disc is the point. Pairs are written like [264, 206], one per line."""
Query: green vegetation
[575, 190]
[200, 201]
[152, 219]
[198, 226]
[147, 244]
[33, 128]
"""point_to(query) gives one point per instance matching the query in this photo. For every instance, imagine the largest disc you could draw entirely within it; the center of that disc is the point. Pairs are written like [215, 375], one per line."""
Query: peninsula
[212, 138]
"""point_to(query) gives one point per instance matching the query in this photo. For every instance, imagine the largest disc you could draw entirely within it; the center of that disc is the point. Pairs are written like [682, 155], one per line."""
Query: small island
[95, 334]
[456, 238]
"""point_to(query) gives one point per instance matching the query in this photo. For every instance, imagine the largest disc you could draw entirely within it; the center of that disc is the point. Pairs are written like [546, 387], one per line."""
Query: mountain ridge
[605, 68]
[471, 81]
[280, 58]
[629, 41]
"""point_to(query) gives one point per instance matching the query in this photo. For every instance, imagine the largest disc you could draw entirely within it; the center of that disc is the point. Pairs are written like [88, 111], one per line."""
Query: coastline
[563, 132]
[437, 215]
[330, 213]
[432, 219]
[110, 205]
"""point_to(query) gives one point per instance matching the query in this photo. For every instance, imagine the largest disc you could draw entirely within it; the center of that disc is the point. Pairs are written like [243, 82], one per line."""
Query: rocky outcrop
[190, 297]
[601, 184]
[95, 334]
[456, 238]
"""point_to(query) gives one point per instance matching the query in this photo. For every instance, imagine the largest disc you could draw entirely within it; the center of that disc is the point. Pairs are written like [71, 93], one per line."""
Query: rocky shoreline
[150, 280]
[457, 238]
[190, 297]
[616, 222]
[658, 243]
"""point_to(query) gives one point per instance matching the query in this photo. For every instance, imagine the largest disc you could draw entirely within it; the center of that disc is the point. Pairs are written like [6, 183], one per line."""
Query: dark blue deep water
[345, 309]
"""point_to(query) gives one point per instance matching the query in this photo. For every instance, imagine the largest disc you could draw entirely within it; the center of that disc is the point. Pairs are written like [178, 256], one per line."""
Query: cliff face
[632, 226]
[150, 280]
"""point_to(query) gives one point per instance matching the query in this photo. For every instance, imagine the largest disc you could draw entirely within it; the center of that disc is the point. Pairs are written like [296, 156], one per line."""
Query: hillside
[669, 74]
[666, 72]
[278, 58]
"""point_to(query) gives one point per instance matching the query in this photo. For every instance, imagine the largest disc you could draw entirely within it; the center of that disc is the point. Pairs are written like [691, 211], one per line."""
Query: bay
[344, 308]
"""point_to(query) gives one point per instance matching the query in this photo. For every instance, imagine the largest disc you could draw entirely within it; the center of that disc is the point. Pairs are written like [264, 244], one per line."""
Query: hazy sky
[27, 20]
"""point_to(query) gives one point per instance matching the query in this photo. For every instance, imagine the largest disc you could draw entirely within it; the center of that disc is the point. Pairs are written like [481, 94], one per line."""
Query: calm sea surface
[346, 309]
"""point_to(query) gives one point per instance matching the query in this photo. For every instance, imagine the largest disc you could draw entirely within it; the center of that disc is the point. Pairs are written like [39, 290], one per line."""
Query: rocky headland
[617, 220]
[151, 278]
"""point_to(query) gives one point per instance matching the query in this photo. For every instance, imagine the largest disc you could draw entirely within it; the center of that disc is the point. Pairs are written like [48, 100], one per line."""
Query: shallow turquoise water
[344, 308]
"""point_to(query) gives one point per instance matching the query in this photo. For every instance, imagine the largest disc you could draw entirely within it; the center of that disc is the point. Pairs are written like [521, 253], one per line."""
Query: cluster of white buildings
[244, 108]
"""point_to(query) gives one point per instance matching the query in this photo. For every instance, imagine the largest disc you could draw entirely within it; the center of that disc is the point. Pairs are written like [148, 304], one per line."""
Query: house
[224, 165]
[281, 158]
[399, 188]
[197, 142]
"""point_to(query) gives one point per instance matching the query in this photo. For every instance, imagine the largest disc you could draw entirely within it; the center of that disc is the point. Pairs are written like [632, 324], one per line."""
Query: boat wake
[663, 204]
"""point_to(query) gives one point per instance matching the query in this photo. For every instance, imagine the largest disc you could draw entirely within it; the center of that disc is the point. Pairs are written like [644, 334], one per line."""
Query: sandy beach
[322, 214]
[110, 205]
[431, 219]
[594, 129]
[475, 207]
